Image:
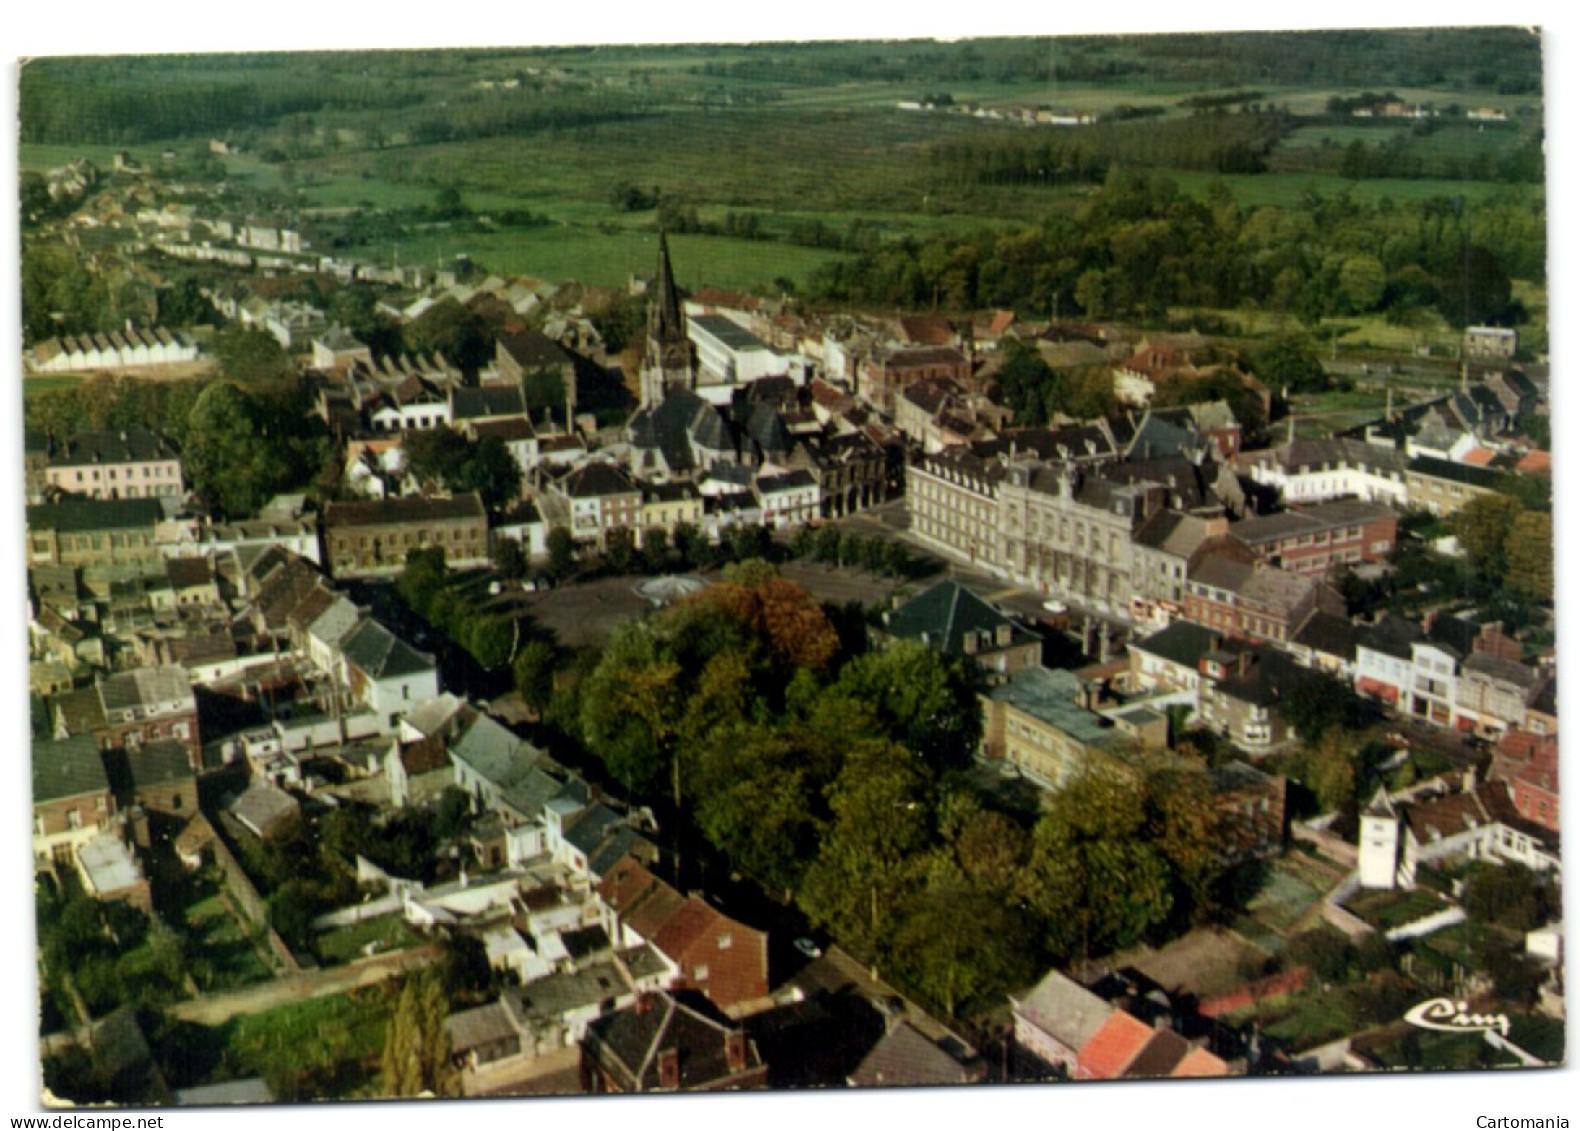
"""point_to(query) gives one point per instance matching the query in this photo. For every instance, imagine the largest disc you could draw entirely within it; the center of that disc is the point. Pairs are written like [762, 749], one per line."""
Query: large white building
[729, 356]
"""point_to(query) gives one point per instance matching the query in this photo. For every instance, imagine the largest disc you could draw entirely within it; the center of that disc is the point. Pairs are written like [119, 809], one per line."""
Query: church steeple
[670, 360]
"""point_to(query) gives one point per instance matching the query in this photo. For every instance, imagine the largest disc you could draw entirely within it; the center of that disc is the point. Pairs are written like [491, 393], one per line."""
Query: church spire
[667, 301]
[670, 360]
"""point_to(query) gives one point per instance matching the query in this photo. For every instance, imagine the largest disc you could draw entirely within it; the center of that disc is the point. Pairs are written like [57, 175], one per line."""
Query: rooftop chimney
[735, 1050]
[669, 1068]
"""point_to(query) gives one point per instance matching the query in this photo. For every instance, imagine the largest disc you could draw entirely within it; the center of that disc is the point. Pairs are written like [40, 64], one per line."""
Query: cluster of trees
[66, 292]
[832, 546]
[519, 112]
[1399, 157]
[1138, 246]
[432, 592]
[110, 954]
[416, 1057]
[1215, 142]
[1505, 543]
[446, 457]
[1036, 391]
[244, 436]
[834, 775]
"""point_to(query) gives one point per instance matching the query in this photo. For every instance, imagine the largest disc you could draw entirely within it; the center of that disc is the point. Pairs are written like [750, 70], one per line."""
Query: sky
[1442, 1102]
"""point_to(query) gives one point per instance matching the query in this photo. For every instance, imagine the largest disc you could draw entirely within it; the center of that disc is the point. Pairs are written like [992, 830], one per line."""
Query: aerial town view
[843, 564]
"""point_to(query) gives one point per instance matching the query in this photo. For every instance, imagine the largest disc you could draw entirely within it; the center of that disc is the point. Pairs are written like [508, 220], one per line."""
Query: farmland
[783, 133]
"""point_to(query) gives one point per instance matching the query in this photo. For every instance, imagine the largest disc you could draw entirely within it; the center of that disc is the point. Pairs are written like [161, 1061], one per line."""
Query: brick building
[373, 539]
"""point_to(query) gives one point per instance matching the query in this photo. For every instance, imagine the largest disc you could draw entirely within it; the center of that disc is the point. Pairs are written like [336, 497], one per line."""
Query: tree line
[1213, 142]
[1139, 245]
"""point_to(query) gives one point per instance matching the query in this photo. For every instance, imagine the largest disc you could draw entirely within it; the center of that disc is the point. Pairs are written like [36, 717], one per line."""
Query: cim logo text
[1449, 1016]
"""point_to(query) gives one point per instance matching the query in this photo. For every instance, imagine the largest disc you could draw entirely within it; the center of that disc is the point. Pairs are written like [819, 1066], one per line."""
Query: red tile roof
[1112, 1047]
[1200, 1062]
[1535, 460]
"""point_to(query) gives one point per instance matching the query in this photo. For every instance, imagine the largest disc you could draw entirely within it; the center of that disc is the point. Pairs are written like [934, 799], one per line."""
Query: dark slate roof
[410, 509]
[80, 710]
[496, 400]
[590, 827]
[71, 515]
[1160, 1055]
[1268, 675]
[533, 350]
[597, 478]
[161, 762]
[665, 428]
[1390, 635]
[1157, 436]
[68, 768]
[586, 942]
[767, 429]
[1232, 777]
[135, 445]
[1454, 472]
[628, 1042]
[379, 654]
[1454, 632]
[1545, 697]
[1182, 642]
[945, 613]
[1328, 634]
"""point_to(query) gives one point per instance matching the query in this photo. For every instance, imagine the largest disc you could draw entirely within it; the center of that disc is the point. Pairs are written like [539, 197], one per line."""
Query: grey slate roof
[945, 613]
[1328, 634]
[1182, 642]
[1391, 636]
[379, 654]
[1065, 1009]
[69, 767]
[1049, 695]
[550, 998]
[904, 1058]
[629, 1041]
[161, 762]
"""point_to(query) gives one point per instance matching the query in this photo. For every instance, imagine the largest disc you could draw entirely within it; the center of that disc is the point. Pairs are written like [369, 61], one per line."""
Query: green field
[32, 386]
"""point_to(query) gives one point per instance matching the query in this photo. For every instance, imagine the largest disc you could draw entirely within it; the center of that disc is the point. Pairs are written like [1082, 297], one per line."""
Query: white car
[1056, 606]
[808, 948]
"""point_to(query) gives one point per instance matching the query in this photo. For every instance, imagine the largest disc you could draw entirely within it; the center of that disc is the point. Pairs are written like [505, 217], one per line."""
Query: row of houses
[132, 348]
